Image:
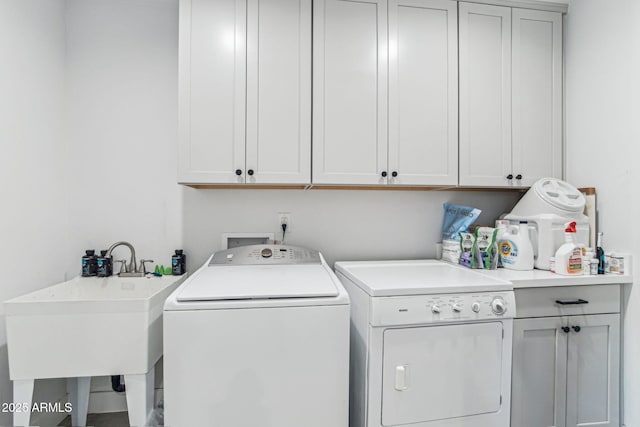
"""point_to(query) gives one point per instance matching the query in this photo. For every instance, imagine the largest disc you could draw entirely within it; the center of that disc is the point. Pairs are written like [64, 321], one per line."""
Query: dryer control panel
[440, 308]
[266, 255]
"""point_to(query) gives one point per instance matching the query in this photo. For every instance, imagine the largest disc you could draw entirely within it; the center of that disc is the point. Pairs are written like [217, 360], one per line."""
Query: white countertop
[542, 278]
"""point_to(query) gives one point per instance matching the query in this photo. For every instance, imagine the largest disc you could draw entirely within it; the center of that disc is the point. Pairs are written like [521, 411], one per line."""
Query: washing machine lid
[422, 277]
[258, 282]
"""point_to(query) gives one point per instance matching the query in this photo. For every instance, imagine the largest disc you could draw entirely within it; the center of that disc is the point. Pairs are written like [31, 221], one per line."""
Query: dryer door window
[441, 372]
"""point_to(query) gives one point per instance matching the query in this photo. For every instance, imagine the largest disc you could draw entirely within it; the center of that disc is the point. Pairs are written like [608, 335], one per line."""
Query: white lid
[250, 282]
[390, 278]
[560, 194]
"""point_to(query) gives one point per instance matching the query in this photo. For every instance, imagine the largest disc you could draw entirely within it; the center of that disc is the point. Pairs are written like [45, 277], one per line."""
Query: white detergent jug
[516, 250]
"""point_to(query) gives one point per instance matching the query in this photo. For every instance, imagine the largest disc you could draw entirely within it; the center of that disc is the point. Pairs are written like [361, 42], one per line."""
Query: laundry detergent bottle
[516, 250]
[569, 255]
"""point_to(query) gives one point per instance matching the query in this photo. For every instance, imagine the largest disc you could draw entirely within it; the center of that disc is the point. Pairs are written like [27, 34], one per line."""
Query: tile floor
[112, 419]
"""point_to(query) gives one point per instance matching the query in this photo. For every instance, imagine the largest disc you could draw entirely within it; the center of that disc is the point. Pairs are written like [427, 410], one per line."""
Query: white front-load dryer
[258, 336]
[431, 344]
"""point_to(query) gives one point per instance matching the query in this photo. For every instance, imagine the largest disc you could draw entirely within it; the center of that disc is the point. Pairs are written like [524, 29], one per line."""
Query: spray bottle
[569, 255]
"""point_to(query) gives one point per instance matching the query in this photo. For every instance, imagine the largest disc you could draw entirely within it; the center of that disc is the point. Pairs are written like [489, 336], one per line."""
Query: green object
[157, 270]
[167, 271]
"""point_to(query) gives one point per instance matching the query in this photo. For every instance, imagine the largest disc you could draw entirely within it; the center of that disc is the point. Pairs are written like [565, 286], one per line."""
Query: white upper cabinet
[391, 103]
[357, 138]
[537, 95]
[212, 90]
[245, 91]
[485, 94]
[510, 95]
[423, 92]
[350, 91]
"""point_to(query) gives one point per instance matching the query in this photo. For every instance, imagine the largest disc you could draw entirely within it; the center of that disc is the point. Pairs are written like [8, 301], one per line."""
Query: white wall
[603, 131]
[344, 225]
[35, 243]
[122, 125]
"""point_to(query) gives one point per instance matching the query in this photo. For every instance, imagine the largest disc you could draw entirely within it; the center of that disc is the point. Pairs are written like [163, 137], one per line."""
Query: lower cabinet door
[539, 374]
[593, 371]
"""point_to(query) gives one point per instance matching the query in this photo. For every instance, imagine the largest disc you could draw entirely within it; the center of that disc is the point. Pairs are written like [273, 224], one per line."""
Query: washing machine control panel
[266, 255]
[418, 309]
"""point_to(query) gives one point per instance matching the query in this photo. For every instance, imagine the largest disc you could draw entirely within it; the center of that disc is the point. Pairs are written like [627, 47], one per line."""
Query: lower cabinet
[566, 371]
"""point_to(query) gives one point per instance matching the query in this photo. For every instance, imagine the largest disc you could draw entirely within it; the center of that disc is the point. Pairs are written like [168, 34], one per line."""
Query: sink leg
[23, 398]
[139, 392]
[79, 388]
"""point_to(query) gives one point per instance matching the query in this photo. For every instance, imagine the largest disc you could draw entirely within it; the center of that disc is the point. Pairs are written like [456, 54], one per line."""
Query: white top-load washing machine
[258, 336]
[430, 344]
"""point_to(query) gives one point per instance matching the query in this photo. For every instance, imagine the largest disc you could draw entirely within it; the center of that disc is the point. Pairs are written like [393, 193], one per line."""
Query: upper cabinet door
[537, 95]
[212, 91]
[423, 92]
[593, 377]
[485, 95]
[278, 91]
[350, 92]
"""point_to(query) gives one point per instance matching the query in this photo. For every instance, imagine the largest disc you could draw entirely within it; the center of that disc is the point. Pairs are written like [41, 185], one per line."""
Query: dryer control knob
[457, 308]
[498, 306]
[435, 309]
[266, 253]
[475, 307]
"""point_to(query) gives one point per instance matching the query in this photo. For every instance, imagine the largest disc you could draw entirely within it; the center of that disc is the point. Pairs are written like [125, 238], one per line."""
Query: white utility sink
[88, 327]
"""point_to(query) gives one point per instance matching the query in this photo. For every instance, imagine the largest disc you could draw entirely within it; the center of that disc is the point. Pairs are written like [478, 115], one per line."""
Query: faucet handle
[143, 267]
[123, 265]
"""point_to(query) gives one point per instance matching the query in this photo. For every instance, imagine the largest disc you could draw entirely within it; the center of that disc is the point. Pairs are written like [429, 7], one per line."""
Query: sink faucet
[132, 268]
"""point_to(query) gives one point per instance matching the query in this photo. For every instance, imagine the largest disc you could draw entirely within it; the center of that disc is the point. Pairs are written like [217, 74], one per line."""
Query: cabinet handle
[384, 174]
[518, 177]
[394, 174]
[571, 301]
[250, 172]
[576, 328]
[566, 329]
[238, 172]
[510, 176]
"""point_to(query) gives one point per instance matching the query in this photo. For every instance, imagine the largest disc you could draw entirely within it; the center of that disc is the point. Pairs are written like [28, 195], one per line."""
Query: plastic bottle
[502, 225]
[89, 263]
[105, 264]
[178, 263]
[516, 250]
[569, 255]
[600, 255]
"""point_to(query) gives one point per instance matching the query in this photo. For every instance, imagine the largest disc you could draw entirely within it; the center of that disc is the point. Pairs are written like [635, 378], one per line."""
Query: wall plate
[233, 240]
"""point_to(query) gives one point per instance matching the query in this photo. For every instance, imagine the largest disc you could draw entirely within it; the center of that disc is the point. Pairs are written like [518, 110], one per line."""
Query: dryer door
[441, 372]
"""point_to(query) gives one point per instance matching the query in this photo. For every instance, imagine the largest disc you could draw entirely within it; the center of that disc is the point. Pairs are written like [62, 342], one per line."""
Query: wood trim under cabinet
[346, 187]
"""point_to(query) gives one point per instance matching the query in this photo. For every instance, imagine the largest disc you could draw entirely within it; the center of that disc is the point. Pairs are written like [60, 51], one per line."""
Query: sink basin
[87, 327]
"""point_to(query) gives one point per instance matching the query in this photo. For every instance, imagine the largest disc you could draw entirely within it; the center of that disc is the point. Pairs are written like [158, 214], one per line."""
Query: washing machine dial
[475, 307]
[457, 307]
[266, 253]
[498, 306]
[435, 309]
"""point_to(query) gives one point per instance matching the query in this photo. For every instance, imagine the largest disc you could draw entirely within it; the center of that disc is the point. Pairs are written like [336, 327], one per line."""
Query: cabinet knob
[238, 172]
[510, 176]
[384, 174]
[566, 329]
[576, 328]
[250, 172]
[518, 177]
[394, 174]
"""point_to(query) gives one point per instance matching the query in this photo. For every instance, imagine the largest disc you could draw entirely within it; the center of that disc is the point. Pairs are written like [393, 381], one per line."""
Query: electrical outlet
[284, 218]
